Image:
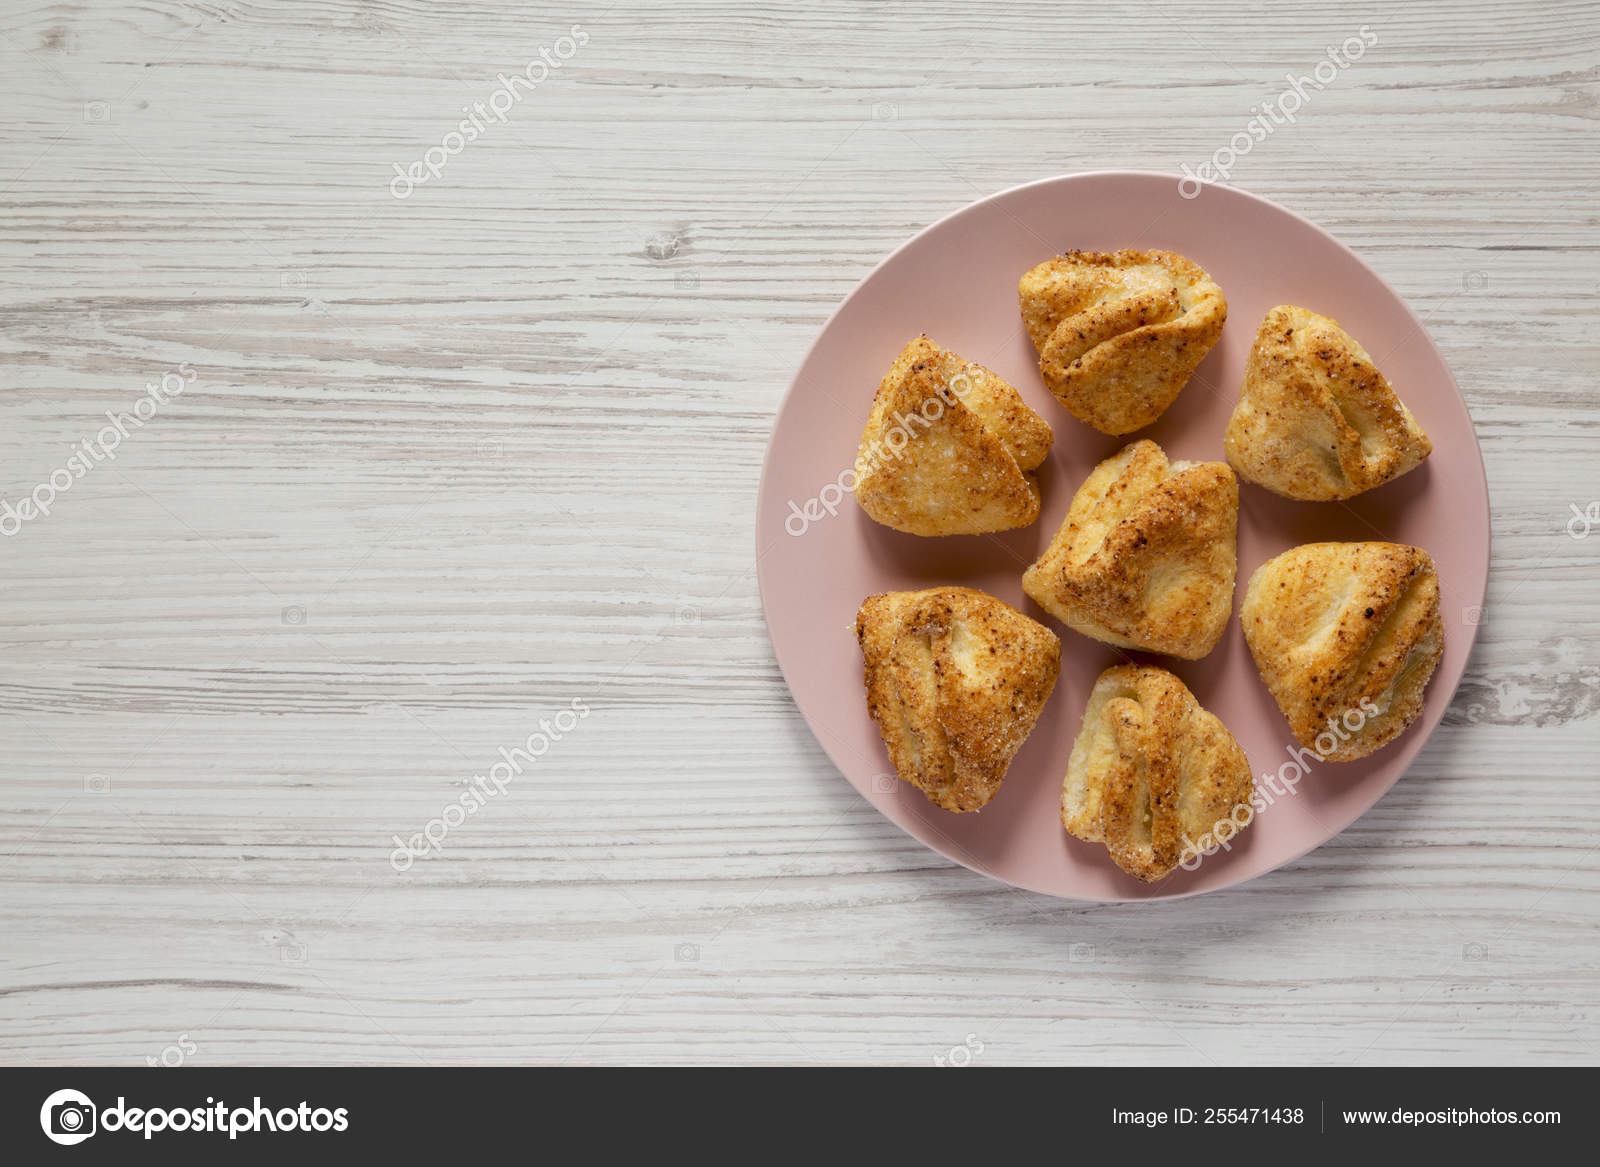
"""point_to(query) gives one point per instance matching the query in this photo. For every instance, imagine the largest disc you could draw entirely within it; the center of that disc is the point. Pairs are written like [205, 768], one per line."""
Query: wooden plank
[449, 462]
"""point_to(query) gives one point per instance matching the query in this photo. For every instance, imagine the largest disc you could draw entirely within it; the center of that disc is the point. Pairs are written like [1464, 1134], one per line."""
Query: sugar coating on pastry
[955, 680]
[949, 448]
[1346, 637]
[1146, 556]
[1316, 420]
[1120, 333]
[1152, 775]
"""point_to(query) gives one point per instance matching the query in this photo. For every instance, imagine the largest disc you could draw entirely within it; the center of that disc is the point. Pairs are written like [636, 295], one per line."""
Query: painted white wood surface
[452, 461]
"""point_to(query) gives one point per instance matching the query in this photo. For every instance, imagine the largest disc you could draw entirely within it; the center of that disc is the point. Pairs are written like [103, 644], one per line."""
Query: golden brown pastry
[949, 448]
[1346, 636]
[1146, 556]
[1315, 419]
[1152, 775]
[1120, 333]
[955, 680]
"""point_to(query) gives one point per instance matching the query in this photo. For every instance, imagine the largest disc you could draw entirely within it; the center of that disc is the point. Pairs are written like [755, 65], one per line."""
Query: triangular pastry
[1120, 333]
[1152, 775]
[1346, 636]
[955, 680]
[1146, 556]
[949, 448]
[1315, 419]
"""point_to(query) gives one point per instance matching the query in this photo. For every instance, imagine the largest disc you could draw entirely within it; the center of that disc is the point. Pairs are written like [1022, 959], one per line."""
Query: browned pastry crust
[1120, 333]
[1315, 419]
[1146, 556]
[955, 680]
[949, 448]
[1152, 775]
[1346, 637]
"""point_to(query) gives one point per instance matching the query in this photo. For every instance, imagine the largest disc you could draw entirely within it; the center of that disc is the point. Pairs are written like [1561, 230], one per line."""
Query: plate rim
[1409, 751]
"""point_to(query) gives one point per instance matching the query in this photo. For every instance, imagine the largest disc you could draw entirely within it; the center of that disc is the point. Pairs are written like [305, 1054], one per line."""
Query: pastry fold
[955, 680]
[1346, 637]
[949, 448]
[1146, 556]
[1316, 420]
[1120, 333]
[1152, 775]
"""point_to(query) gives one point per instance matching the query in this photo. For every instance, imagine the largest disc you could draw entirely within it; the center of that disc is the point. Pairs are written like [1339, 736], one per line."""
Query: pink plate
[957, 281]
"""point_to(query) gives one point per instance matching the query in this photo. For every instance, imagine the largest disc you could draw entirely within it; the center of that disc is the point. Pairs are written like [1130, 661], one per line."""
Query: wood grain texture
[451, 461]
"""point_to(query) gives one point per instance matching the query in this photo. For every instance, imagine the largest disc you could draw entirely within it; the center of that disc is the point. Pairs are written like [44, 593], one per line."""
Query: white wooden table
[450, 461]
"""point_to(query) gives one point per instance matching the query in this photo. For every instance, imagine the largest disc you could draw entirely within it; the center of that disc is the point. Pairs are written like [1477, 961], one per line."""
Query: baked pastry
[1315, 419]
[955, 680]
[1146, 556]
[949, 448]
[1119, 333]
[1152, 775]
[1346, 636]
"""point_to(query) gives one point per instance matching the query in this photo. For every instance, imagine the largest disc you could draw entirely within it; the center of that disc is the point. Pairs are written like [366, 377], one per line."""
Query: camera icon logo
[291, 951]
[68, 1117]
